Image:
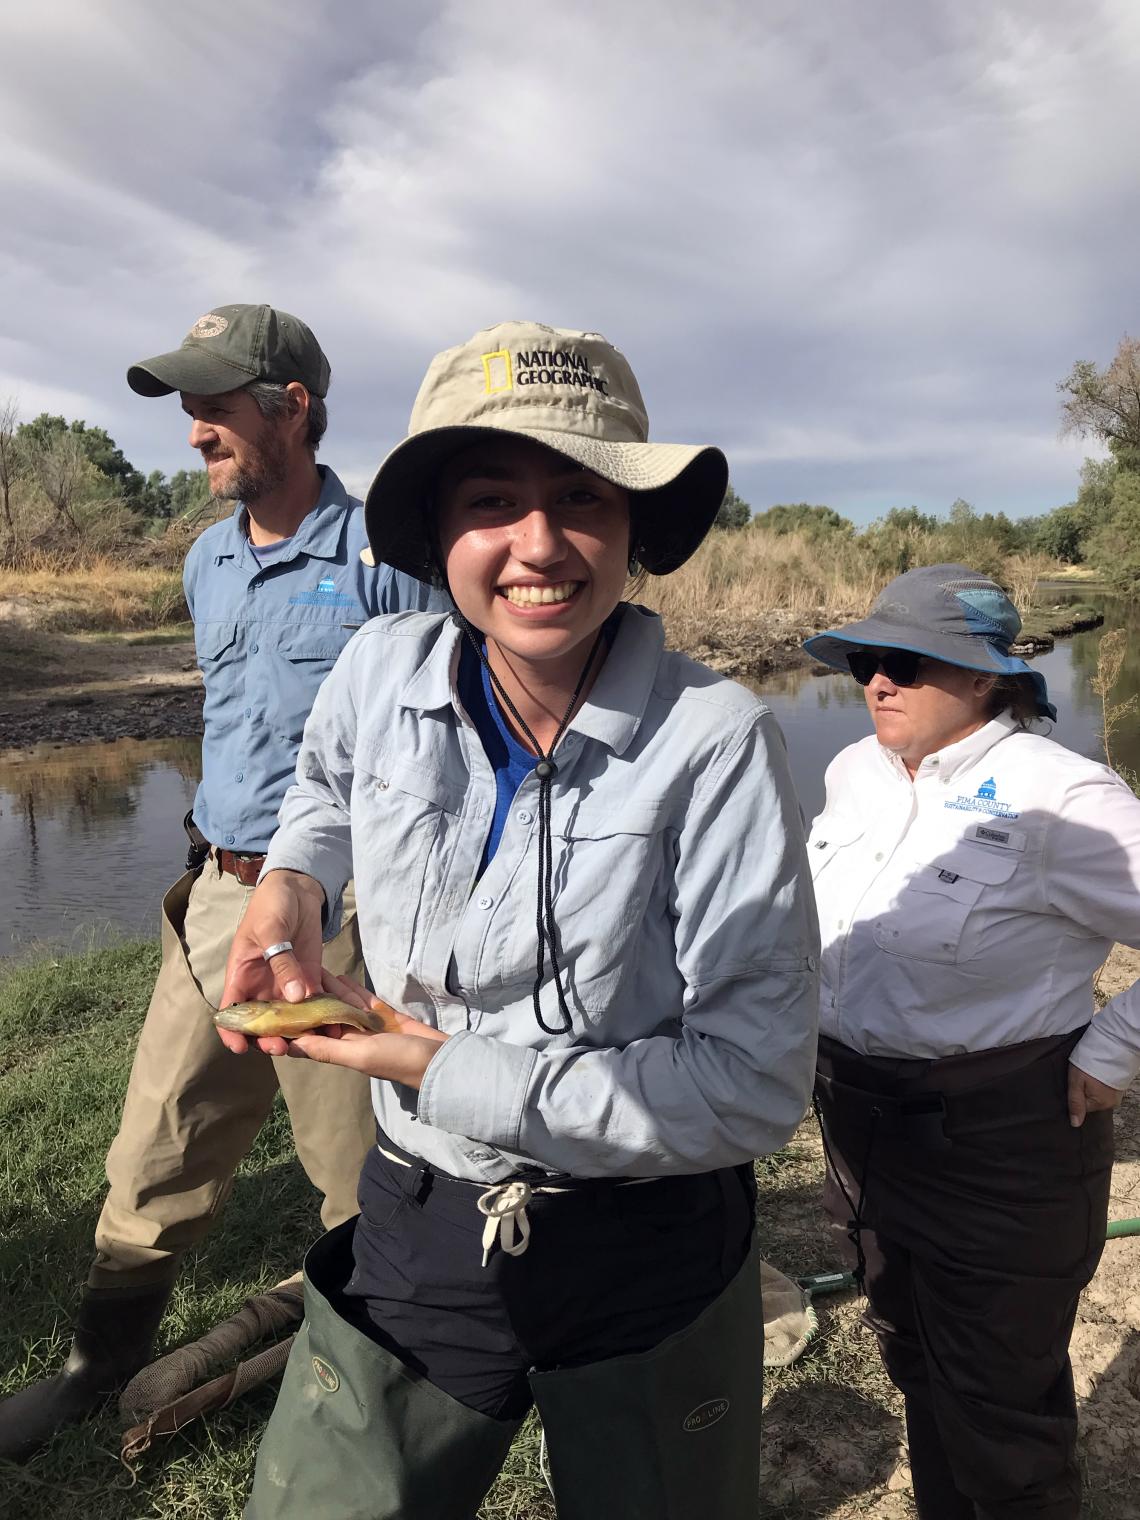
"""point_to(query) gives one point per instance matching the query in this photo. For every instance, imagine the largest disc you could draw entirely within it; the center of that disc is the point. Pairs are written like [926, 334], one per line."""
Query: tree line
[1100, 528]
[68, 481]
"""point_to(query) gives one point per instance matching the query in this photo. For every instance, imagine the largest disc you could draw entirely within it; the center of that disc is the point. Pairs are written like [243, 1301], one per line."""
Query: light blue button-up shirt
[682, 898]
[265, 639]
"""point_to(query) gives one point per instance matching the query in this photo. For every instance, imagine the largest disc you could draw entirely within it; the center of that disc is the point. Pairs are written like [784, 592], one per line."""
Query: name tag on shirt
[1000, 838]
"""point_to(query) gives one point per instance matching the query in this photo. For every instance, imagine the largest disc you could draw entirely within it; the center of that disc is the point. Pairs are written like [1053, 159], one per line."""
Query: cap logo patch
[497, 372]
[540, 366]
[209, 326]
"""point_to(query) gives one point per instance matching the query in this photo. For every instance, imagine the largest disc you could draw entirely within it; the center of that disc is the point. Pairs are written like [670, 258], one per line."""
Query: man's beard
[263, 471]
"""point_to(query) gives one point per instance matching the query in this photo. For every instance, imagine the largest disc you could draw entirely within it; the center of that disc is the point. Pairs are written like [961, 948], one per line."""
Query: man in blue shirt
[275, 591]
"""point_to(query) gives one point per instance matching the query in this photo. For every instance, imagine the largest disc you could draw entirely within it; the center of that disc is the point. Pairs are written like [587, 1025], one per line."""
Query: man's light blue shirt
[266, 638]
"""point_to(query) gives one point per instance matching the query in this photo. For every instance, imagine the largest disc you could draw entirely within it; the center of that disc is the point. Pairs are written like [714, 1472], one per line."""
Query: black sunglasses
[900, 666]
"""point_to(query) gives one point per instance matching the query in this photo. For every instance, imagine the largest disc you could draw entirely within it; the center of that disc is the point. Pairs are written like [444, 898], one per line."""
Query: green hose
[1121, 1227]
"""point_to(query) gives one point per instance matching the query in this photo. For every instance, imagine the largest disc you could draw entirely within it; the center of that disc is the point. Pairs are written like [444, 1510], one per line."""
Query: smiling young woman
[581, 879]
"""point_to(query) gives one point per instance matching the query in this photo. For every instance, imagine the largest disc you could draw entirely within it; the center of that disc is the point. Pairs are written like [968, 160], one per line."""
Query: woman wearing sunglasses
[582, 880]
[971, 875]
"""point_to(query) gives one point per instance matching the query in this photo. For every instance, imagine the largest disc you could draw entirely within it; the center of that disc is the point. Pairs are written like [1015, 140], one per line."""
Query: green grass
[172, 633]
[67, 1030]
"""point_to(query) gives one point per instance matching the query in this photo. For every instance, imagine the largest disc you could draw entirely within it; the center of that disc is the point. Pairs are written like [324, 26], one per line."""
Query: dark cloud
[857, 245]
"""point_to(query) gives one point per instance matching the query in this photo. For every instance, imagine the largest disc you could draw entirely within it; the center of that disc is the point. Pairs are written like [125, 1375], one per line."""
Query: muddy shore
[58, 688]
[78, 688]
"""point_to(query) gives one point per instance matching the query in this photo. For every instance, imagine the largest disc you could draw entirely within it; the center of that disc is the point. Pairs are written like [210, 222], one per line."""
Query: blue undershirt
[509, 760]
[271, 554]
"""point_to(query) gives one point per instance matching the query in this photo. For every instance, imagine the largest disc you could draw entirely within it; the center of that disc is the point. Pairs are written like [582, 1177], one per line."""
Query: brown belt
[247, 868]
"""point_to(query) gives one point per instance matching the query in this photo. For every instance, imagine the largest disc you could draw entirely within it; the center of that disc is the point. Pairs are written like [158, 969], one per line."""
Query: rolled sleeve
[314, 832]
[478, 1087]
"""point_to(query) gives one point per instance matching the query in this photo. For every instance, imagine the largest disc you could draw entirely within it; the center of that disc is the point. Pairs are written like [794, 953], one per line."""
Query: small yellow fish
[289, 1019]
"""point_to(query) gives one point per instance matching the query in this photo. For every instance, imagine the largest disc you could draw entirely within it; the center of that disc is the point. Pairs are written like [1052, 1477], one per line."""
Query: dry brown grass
[747, 573]
[101, 593]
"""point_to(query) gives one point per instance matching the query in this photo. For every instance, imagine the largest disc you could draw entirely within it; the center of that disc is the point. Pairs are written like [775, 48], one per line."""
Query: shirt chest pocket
[929, 917]
[399, 817]
[306, 654]
[215, 644]
[612, 870]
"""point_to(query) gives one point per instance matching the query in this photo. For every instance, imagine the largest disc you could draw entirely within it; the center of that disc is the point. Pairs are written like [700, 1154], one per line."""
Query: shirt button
[879, 856]
[253, 649]
[485, 902]
[812, 963]
[839, 923]
[523, 816]
[239, 776]
[230, 838]
[382, 786]
[249, 712]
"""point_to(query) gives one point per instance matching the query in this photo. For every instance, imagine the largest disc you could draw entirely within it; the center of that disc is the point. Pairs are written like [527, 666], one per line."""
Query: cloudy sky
[856, 245]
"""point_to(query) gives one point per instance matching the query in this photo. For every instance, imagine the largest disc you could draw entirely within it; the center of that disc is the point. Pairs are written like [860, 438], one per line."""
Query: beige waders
[668, 1434]
[193, 1109]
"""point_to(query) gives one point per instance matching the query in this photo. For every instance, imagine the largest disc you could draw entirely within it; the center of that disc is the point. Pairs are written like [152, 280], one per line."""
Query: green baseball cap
[232, 346]
[575, 393]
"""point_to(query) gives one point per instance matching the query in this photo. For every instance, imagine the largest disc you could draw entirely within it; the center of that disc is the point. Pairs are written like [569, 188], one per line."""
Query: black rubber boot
[114, 1337]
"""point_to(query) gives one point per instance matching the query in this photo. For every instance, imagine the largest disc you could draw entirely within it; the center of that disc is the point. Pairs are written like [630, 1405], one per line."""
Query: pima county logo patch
[497, 371]
[209, 326]
[326, 1375]
[984, 800]
[705, 1415]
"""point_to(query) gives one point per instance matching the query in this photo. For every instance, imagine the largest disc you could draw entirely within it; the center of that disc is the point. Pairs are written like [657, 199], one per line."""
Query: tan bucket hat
[573, 392]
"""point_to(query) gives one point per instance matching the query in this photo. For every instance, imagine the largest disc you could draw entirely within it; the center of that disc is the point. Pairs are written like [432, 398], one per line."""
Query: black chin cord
[545, 769]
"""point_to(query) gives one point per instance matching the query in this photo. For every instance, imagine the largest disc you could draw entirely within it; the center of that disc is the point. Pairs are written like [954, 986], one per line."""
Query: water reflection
[90, 837]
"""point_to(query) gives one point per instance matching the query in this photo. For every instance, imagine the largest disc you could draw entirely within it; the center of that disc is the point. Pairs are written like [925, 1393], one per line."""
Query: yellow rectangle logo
[497, 370]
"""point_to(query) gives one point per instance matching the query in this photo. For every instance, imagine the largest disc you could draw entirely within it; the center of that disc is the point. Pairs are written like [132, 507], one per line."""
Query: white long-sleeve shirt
[971, 908]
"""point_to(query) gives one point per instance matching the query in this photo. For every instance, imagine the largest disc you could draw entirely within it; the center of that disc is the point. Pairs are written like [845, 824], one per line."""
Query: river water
[91, 835]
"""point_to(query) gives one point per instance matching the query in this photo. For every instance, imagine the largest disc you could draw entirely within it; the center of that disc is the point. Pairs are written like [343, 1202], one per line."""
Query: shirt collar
[318, 534]
[613, 711]
[955, 758]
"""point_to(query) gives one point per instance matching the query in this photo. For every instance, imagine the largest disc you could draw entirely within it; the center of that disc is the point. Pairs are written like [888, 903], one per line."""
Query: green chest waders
[355, 1434]
[667, 1434]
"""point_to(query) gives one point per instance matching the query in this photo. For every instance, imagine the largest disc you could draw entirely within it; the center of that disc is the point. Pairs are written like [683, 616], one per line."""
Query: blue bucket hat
[947, 612]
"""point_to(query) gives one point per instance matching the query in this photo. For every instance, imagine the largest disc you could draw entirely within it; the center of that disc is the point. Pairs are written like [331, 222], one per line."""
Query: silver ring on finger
[281, 948]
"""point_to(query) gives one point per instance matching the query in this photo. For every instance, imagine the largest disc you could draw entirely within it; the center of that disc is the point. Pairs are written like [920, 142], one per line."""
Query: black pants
[985, 1216]
[610, 1269]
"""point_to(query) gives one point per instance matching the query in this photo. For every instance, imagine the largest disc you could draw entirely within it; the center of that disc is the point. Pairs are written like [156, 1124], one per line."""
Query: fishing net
[178, 1387]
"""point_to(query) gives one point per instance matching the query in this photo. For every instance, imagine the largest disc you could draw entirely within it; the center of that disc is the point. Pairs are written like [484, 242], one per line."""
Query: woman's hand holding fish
[285, 906]
[402, 1056]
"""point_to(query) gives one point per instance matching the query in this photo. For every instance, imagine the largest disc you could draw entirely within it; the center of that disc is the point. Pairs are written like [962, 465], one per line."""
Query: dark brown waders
[667, 1434]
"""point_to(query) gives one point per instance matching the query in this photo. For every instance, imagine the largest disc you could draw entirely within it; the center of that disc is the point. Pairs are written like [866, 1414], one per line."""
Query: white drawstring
[505, 1209]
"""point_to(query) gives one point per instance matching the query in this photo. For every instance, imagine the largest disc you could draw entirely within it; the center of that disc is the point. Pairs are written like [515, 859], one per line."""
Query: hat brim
[967, 651]
[187, 369]
[679, 490]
